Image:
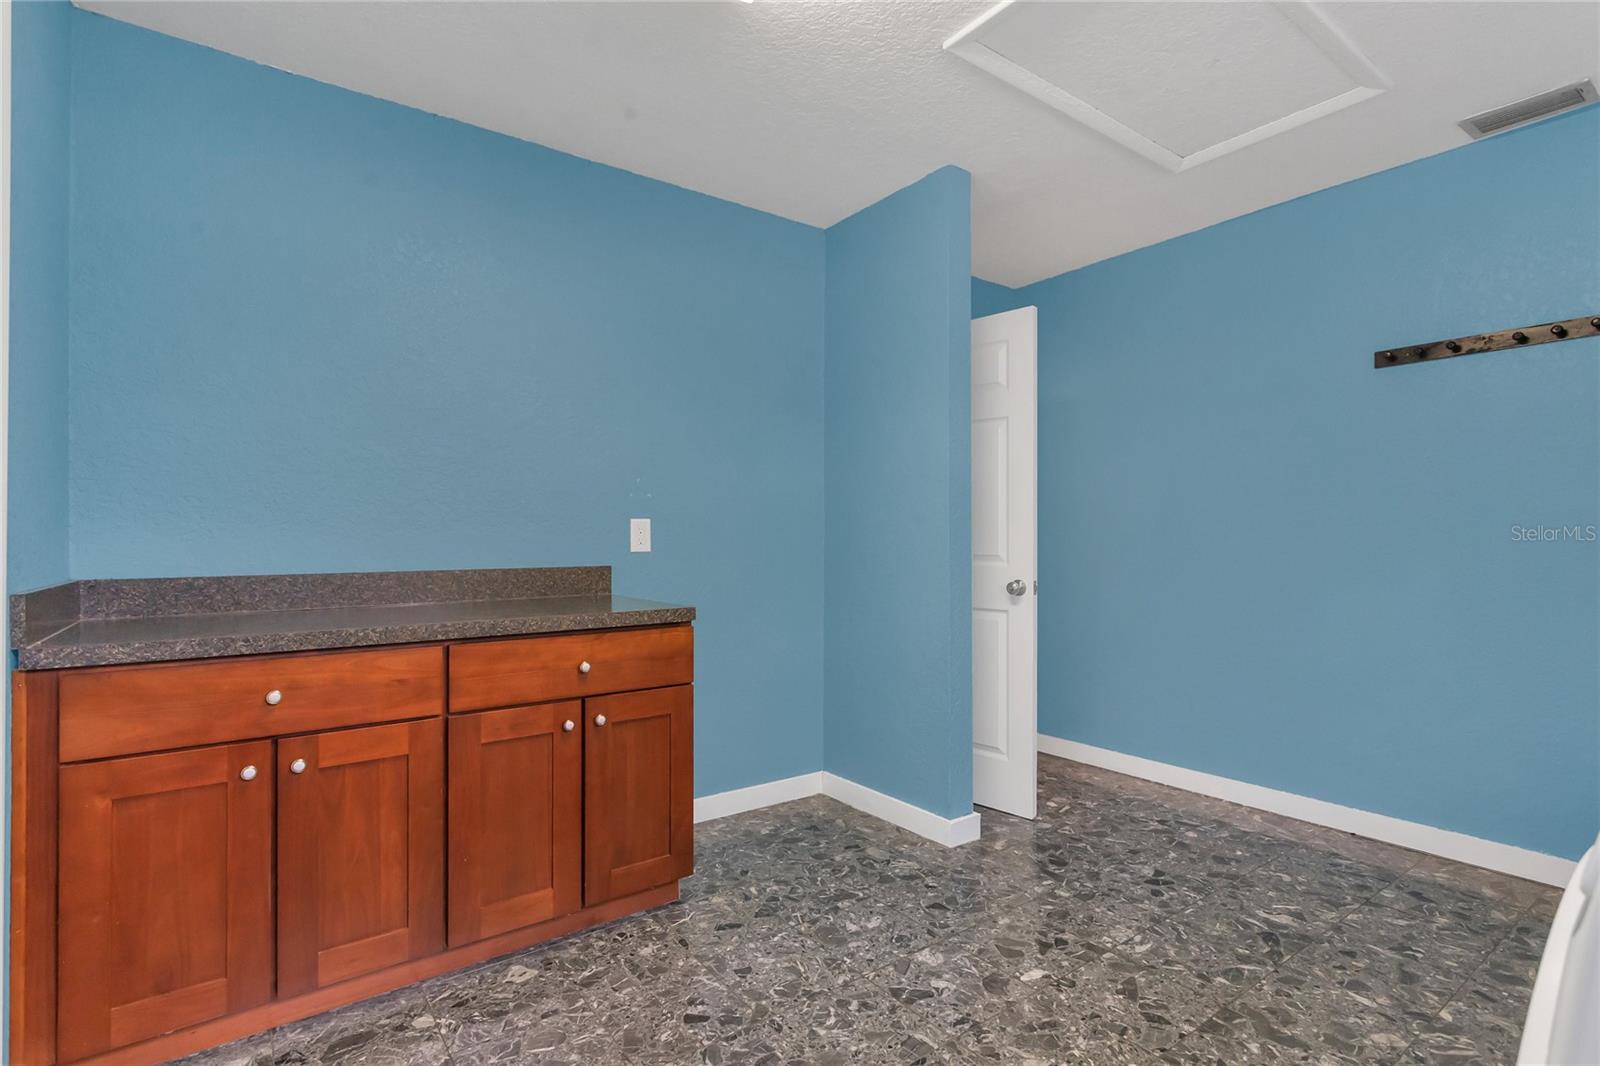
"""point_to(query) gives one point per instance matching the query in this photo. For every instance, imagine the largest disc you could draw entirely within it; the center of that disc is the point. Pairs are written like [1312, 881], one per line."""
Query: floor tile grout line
[1477, 968]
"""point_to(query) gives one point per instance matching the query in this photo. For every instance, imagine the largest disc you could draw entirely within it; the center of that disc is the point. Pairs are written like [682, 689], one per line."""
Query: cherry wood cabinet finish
[503, 673]
[516, 818]
[360, 852]
[295, 892]
[260, 1019]
[119, 710]
[166, 893]
[34, 828]
[638, 791]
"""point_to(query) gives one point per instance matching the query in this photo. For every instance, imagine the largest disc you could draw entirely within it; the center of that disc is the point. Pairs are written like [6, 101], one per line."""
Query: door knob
[567, 726]
[298, 766]
[1016, 586]
[599, 719]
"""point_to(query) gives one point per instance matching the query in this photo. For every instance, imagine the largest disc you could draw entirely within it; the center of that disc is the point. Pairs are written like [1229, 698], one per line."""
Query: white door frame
[1005, 553]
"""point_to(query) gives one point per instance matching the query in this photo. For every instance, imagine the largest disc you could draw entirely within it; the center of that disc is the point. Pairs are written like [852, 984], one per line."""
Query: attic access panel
[1179, 83]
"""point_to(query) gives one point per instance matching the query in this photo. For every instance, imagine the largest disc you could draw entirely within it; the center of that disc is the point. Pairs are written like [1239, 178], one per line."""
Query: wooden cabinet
[204, 850]
[166, 893]
[360, 852]
[117, 710]
[516, 818]
[500, 673]
[638, 791]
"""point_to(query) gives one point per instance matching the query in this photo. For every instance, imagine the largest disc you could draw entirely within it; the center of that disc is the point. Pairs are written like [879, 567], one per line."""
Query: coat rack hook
[1543, 333]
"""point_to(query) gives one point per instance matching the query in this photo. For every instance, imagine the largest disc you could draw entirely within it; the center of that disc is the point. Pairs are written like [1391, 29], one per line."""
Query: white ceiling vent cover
[1179, 83]
[1500, 119]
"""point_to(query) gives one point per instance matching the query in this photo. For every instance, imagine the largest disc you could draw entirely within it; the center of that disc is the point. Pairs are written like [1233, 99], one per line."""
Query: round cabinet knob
[583, 667]
[274, 698]
[247, 774]
[567, 726]
[298, 766]
[599, 719]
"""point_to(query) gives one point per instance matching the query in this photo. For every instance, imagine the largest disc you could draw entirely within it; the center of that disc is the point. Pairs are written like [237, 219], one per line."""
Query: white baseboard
[950, 832]
[1475, 851]
[767, 794]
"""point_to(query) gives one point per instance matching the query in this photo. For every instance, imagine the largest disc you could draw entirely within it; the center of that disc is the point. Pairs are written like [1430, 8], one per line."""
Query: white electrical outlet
[638, 534]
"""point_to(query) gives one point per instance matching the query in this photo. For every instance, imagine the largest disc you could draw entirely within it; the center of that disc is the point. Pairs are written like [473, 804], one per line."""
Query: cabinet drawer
[500, 673]
[125, 709]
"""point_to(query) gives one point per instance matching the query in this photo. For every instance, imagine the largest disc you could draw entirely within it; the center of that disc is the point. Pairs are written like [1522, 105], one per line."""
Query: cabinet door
[516, 818]
[360, 851]
[638, 791]
[165, 893]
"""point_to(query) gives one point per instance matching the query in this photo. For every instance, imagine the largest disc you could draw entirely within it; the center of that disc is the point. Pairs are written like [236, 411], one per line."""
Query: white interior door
[1005, 554]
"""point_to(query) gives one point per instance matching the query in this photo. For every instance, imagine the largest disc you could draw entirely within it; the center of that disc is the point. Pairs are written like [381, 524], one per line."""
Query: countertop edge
[39, 613]
[63, 657]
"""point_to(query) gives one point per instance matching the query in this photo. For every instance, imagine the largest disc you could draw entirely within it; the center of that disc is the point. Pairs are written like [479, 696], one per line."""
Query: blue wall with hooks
[1262, 558]
[1259, 556]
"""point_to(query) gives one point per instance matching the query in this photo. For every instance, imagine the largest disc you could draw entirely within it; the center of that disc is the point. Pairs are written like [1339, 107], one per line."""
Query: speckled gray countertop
[99, 623]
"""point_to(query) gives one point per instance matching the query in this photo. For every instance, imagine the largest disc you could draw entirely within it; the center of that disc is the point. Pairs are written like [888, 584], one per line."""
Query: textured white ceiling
[814, 110]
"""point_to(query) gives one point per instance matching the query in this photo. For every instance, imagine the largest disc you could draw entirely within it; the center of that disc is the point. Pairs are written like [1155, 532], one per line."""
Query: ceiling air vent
[1533, 108]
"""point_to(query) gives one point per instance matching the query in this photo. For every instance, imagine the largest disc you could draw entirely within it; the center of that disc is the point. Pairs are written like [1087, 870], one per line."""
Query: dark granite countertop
[98, 623]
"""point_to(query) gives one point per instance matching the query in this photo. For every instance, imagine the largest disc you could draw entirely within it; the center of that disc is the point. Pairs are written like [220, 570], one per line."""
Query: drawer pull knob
[298, 766]
[599, 719]
[274, 698]
[247, 774]
[583, 667]
[567, 726]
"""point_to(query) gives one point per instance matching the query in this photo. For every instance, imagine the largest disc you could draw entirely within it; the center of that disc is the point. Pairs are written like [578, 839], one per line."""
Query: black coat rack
[1543, 333]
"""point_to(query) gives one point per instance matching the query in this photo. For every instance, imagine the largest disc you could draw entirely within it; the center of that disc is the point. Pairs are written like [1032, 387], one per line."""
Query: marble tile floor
[1131, 924]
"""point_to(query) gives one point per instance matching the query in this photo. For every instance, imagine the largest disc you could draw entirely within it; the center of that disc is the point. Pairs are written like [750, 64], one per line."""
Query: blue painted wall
[36, 503]
[897, 609]
[990, 297]
[312, 330]
[1263, 559]
[36, 529]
